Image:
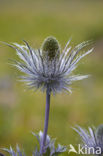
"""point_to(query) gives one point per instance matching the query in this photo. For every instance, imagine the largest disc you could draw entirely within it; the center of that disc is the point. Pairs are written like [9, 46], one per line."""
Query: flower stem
[46, 121]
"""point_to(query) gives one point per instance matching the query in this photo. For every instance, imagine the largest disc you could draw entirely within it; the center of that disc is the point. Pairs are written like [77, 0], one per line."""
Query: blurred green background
[21, 110]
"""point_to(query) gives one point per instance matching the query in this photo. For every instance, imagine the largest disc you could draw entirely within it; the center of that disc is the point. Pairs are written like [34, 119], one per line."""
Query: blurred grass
[22, 111]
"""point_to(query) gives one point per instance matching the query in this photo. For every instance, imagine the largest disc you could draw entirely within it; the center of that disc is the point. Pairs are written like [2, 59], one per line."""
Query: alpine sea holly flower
[49, 70]
[47, 67]
[92, 138]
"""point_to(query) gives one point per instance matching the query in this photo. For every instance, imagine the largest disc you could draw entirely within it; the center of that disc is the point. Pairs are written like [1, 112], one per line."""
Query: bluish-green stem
[46, 121]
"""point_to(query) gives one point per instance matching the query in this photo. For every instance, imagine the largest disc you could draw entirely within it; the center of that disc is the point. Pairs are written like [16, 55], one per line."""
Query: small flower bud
[51, 47]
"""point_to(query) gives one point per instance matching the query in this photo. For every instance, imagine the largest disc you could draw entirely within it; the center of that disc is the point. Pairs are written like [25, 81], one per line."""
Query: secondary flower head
[47, 67]
[92, 138]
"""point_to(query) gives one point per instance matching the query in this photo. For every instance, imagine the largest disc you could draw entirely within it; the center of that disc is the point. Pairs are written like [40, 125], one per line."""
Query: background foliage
[21, 110]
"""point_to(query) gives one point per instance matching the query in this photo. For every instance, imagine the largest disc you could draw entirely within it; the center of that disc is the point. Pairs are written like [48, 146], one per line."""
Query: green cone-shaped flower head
[51, 47]
[99, 132]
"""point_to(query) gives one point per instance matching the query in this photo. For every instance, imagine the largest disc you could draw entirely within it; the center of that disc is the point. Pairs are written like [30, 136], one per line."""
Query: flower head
[47, 68]
[92, 138]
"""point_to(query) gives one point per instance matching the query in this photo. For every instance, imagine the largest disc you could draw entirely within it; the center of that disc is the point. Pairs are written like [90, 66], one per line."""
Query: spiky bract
[11, 151]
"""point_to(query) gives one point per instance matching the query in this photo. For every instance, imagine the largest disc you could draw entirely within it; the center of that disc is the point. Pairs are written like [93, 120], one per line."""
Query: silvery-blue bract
[42, 73]
[12, 152]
